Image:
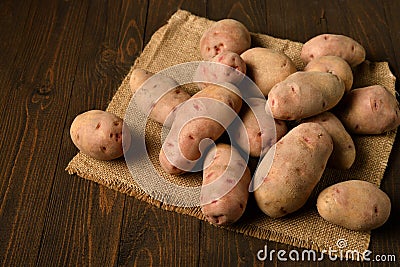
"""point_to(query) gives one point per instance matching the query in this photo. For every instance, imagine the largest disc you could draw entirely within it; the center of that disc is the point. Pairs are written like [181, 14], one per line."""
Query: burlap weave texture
[177, 42]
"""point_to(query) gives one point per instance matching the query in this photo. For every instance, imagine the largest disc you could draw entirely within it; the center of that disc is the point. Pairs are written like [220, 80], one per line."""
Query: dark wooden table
[60, 58]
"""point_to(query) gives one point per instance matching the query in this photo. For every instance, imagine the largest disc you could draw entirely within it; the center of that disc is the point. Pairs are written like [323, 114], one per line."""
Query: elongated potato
[369, 110]
[156, 95]
[225, 189]
[266, 67]
[305, 94]
[205, 116]
[297, 166]
[259, 130]
[333, 45]
[224, 35]
[354, 204]
[100, 134]
[344, 152]
[335, 65]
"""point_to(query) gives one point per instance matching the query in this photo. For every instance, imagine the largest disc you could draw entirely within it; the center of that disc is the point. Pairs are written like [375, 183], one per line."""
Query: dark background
[60, 58]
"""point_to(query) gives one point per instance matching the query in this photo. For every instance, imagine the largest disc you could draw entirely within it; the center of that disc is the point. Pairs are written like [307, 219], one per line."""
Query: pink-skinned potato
[299, 159]
[157, 95]
[100, 134]
[224, 35]
[354, 204]
[225, 189]
[335, 65]
[369, 110]
[224, 67]
[266, 67]
[305, 94]
[344, 151]
[259, 130]
[205, 116]
[333, 45]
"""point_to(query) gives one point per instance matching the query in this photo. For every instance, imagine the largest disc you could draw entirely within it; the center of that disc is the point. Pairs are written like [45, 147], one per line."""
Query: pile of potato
[320, 103]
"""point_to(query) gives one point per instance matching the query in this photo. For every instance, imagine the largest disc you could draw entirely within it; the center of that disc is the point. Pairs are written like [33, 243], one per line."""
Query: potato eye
[103, 148]
[98, 125]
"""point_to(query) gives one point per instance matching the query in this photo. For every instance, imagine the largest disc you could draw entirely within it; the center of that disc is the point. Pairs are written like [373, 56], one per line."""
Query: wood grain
[60, 58]
[91, 233]
[38, 104]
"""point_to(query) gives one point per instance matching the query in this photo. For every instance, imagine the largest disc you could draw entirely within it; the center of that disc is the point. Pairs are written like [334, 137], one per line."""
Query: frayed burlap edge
[83, 166]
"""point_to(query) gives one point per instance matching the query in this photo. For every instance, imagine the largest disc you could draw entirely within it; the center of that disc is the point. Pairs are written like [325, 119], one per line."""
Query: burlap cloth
[177, 42]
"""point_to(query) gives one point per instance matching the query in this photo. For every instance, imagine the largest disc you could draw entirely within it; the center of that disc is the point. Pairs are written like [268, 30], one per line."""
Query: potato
[224, 67]
[305, 94]
[156, 95]
[354, 204]
[369, 110]
[344, 152]
[298, 162]
[335, 65]
[205, 116]
[224, 35]
[259, 130]
[99, 134]
[266, 67]
[225, 189]
[333, 45]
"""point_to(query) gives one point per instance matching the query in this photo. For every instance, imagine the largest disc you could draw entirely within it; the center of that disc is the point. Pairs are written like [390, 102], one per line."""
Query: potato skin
[333, 45]
[224, 67]
[266, 67]
[224, 202]
[262, 130]
[157, 95]
[99, 134]
[335, 65]
[297, 166]
[354, 204]
[224, 35]
[369, 110]
[188, 129]
[305, 94]
[344, 152]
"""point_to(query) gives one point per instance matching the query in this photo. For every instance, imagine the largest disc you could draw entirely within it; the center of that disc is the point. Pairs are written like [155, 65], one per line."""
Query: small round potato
[354, 204]
[224, 35]
[369, 110]
[335, 65]
[266, 67]
[100, 134]
[333, 45]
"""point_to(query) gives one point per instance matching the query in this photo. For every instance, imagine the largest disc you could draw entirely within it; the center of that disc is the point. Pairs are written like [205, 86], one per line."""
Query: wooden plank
[161, 11]
[83, 221]
[38, 91]
[155, 237]
[13, 17]
[250, 13]
[385, 240]
[150, 235]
